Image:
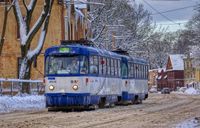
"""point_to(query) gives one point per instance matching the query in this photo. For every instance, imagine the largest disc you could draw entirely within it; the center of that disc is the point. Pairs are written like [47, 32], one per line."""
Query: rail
[14, 86]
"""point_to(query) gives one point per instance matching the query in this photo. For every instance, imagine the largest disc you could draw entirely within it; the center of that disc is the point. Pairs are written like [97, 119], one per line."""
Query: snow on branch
[39, 22]
[21, 23]
[93, 39]
[43, 33]
[31, 4]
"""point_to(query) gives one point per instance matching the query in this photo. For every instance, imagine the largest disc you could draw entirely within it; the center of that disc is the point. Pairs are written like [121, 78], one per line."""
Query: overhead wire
[160, 13]
[176, 9]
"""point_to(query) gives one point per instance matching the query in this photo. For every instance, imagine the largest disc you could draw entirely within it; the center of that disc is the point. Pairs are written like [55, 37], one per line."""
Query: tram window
[116, 68]
[63, 65]
[139, 71]
[84, 65]
[100, 65]
[124, 70]
[108, 66]
[147, 71]
[136, 71]
[142, 71]
[129, 70]
[112, 67]
[93, 65]
[104, 66]
[119, 68]
[142, 68]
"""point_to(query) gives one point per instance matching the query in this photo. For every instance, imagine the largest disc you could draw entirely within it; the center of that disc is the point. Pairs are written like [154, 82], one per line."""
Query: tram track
[157, 111]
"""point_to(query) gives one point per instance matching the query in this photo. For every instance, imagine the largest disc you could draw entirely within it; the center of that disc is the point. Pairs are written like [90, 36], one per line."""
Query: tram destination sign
[64, 50]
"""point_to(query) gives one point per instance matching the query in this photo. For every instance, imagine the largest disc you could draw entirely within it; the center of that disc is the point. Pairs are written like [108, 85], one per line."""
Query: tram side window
[143, 72]
[140, 71]
[100, 65]
[104, 66]
[108, 66]
[116, 67]
[132, 70]
[119, 68]
[93, 65]
[124, 70]
[84, 65]
[129, 69]
[147, 70]
[112, 67]
[136, 71]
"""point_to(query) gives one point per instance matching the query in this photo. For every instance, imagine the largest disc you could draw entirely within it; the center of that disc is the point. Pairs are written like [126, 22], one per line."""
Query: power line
[177, 23]
[159, 12]
[177, 9]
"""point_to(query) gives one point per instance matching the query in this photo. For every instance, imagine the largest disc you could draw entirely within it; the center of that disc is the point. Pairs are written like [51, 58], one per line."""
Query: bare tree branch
[6, 11]
[24, 3]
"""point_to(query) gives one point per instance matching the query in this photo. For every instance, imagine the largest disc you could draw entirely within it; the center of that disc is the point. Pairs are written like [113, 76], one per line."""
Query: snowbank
[21, 103]
[191, 91]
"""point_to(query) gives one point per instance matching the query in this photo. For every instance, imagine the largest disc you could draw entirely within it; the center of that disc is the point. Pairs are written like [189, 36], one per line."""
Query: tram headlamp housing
[51, 87]
[75, 87]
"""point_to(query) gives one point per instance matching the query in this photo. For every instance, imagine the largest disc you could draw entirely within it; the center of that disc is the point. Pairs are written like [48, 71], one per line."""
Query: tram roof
[86, 50]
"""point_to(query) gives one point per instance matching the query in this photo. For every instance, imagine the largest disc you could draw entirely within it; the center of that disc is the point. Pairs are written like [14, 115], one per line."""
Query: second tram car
[78, 75]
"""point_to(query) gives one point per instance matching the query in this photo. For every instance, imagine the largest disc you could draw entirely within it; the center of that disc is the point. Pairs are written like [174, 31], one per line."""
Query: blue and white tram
[77, 75]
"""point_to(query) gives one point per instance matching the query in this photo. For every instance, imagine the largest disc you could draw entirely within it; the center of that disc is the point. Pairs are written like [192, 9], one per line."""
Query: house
[189, 70]
[66, 23]
[162, 79]
[153, 73]
[175, 71]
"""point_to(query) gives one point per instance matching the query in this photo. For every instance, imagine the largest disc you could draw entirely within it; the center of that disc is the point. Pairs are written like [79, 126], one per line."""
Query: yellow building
[189, 70]
[58, 30]
[153, 74]
[197, 70]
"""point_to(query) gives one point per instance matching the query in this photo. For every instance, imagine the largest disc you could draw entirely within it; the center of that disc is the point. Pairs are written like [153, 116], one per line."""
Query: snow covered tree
[28, 32]
[7, 8]
[156, 48]
[124, 23]
[189, 38]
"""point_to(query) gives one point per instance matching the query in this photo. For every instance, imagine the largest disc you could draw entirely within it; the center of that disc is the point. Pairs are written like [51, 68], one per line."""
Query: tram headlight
[51, 87]
[75, 87]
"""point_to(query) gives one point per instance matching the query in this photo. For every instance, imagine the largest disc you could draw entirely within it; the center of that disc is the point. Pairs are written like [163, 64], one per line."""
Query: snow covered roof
[177, 61]
[159, 77]
[161, 69]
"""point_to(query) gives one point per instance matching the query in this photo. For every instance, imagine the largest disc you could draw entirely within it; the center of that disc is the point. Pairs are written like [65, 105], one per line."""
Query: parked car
[165, 91]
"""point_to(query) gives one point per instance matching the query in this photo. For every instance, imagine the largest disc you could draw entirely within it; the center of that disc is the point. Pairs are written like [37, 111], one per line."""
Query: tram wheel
[102, 102]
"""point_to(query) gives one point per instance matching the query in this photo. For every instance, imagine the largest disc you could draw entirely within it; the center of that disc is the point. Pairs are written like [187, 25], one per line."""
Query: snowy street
[159, 110]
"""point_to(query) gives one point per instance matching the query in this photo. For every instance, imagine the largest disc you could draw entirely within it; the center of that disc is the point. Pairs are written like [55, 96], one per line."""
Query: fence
[14, 86]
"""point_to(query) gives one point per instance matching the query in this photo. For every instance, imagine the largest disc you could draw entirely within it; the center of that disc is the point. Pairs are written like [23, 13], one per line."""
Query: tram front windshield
[64, 64]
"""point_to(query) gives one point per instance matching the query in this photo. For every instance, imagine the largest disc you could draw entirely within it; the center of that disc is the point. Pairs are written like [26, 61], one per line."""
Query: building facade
[189, 70]
[152, 77]
[162, 79]
[63, 25]
[173, 75]
[175, 71]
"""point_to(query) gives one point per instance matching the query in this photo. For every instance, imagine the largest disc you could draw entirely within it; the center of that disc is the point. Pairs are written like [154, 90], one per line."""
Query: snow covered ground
[19, 103]
[188, 91]
[35, 102]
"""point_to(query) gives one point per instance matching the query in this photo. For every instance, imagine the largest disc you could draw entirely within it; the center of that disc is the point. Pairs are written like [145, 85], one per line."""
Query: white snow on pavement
[21, 103]
[191, 91]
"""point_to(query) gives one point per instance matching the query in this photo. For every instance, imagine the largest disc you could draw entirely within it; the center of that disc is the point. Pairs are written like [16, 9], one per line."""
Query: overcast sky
[179, 16]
